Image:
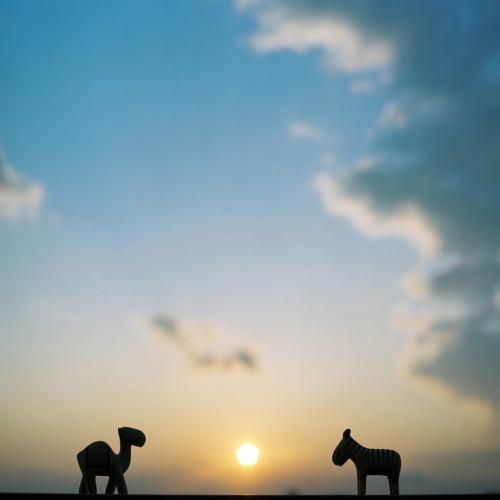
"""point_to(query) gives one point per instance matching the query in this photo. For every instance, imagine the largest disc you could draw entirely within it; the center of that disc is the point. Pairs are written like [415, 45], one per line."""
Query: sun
[247, 454]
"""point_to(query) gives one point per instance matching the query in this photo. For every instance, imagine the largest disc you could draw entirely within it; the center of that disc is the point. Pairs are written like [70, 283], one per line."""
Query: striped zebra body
[368, 461]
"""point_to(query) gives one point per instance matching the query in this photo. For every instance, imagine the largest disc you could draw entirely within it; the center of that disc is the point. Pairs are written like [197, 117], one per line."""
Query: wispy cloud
[435, 178]
[195, 342]
[19, 197]
[344, 47]
[392, 116]
[362, 87]
[328, 159]
[407, 222]
[306, 131]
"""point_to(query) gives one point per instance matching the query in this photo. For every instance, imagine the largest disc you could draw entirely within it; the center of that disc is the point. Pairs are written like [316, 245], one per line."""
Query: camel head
[341, 452]
[135, 437]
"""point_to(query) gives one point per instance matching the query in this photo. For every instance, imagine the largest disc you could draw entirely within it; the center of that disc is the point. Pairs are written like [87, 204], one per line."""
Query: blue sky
[276, 179]
[157, 144]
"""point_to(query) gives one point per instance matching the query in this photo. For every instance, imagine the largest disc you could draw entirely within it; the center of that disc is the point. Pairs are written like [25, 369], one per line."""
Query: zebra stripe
[375, 456]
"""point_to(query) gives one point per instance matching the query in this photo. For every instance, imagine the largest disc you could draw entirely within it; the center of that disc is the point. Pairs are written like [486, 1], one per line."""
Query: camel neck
[125, 454]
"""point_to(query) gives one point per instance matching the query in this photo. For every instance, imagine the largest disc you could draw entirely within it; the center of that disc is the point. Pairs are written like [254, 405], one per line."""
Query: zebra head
[341, 453]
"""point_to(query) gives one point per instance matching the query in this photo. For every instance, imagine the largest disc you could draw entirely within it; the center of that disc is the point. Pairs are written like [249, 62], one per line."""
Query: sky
[262, 221]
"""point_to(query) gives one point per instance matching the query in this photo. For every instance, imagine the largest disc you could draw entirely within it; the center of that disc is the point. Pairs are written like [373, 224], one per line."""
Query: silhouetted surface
[368, 462]
[98, 459]
[60, 496]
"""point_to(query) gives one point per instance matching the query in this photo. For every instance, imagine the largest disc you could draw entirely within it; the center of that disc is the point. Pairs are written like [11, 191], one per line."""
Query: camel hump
[97, 454]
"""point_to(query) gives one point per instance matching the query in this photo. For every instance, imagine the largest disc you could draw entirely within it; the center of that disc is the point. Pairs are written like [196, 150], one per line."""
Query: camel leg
[83, 489]
[110, 488]
[90, 484]
[121, 484]
[394, 485]
[361, 485]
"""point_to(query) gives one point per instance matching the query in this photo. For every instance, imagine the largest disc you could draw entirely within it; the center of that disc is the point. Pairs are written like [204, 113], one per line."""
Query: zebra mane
[355, 448]
[351, 439]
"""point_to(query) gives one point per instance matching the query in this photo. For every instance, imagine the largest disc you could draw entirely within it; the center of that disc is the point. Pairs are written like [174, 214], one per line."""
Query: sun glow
[247, 454]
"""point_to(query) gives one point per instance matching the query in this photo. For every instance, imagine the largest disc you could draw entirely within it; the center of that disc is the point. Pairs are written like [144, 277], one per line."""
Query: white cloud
[19, 197]
[405, 319]
[408, 222]
[496, 298]
[328, 159]
[362, 87]
[416, 285]
[343, 46]
[241, 5]
[54, 218]
[304, 130]
[436, 177]
[365, 163]
[392, 116]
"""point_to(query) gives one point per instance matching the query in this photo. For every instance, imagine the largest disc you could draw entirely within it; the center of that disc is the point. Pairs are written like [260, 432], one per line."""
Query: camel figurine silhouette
[368, 461]
[98, 459]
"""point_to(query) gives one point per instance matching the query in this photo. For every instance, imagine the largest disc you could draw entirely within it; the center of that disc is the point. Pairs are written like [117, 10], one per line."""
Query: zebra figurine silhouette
[368, 461]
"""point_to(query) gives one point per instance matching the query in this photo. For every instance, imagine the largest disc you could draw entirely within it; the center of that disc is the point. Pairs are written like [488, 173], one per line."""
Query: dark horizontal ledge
[61, 496]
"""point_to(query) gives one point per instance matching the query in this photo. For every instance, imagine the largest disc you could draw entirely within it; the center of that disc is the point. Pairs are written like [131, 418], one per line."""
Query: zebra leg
[394, 485]
[361, 484]
[83, 489]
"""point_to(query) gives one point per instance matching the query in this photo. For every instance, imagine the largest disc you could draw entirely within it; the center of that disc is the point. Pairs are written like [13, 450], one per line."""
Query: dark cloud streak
[186, 342]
